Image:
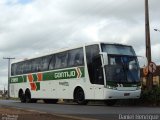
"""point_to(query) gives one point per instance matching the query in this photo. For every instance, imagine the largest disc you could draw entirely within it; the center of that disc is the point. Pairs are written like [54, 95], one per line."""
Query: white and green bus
[99, 71]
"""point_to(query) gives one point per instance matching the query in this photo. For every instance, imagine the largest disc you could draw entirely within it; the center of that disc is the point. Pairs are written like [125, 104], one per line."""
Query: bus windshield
[122, 65]
[118, 49]
[122, 69]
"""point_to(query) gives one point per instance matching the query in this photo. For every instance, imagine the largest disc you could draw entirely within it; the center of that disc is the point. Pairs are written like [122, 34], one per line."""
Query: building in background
[156, 78]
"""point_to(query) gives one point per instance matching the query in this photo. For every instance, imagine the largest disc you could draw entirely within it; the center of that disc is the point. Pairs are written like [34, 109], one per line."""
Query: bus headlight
[111, 87]
[138, 87]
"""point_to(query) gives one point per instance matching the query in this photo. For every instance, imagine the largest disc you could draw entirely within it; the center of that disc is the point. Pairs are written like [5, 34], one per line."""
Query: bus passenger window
[52, 63]
[45, 62]
[61, 60]
[76, 57]
[13, 69]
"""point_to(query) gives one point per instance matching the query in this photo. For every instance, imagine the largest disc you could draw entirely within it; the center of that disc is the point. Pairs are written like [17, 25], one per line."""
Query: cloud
[31, 27]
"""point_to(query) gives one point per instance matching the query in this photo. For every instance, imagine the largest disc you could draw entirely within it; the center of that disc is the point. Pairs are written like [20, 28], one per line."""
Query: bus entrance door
[98, 78]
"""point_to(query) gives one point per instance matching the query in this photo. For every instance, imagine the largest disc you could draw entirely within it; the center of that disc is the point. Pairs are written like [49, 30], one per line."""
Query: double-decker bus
[99, 71]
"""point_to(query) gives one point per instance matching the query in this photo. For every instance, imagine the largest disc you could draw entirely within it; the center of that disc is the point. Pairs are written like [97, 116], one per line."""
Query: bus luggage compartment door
[98, 92]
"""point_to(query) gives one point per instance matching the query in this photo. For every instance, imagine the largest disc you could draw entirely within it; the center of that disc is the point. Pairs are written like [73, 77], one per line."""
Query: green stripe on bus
[64, 74]
[35, 77]
[38, 86]
[19, 79]
[78, 72]
[24, 78]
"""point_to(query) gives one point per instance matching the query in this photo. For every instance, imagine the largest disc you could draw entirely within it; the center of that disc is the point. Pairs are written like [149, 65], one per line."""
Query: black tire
[50, 101]
[28, 96]
[110, 102]
[79, 97]
[22, 97]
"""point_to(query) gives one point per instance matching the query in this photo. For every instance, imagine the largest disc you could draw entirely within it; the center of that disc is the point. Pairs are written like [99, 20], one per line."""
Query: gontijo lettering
[66, 74]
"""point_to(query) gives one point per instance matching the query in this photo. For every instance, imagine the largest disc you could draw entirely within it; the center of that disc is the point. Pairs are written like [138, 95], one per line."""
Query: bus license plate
[126, 94]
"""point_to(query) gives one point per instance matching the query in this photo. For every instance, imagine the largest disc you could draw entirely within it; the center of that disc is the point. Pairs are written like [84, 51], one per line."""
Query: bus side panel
[47, 90]
[55, 89]
[14, 89]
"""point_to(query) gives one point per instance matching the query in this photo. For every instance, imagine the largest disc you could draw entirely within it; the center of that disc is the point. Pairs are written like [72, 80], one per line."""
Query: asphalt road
[101, 112]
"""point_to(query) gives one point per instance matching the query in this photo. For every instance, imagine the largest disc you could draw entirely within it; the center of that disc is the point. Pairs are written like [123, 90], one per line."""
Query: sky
[32, 27]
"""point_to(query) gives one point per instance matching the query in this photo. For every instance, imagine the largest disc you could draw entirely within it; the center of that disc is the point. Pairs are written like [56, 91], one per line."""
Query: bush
[151, 97]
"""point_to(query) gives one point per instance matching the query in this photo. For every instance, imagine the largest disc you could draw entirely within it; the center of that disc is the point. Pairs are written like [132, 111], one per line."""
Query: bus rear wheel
[28, 97]
[79, 96]
[22, 96]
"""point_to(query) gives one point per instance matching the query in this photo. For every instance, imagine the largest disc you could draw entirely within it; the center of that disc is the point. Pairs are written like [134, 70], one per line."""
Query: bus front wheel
[79, 96]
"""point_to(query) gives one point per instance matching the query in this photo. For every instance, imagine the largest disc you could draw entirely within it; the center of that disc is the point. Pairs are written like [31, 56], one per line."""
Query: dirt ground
[19, 114]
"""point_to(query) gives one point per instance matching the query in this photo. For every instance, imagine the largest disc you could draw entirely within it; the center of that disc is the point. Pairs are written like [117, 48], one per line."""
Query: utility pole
[9, 60]
[4, 90]
[148, 44]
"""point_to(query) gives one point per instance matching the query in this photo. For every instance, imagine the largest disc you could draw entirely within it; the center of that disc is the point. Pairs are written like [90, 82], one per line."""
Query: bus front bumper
[120, 94]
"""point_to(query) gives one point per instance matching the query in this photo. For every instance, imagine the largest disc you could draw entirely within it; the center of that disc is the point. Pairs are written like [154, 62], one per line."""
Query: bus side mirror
[143, 61]
[105, 58]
